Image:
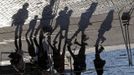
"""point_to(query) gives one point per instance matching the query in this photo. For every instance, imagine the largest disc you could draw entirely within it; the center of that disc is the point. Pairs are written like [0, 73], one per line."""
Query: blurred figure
[45, 22]
[63, 21]
[105, 26]
[42, 53]
[17, 62]
[85, 20]
[18, 20]
[31, 49]
[58, 57]
[79, 59]
[98, 62]
[32, 25]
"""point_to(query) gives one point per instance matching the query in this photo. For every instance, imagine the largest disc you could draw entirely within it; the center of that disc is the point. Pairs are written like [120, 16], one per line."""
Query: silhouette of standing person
[105, 26]
[63, 20]
[18, 20]
[85, 20]
[98, 62]
[32, 25]
[79, 59]
[45, 21]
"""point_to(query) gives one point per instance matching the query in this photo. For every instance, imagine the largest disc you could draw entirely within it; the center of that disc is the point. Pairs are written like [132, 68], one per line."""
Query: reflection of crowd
[39, 40]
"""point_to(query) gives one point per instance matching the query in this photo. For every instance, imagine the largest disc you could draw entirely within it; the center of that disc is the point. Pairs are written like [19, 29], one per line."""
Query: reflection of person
[18, 20]
[31, 49]
[32, 25]
[42, 54]
[57, 57]
[79, 59]
[98, 62]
